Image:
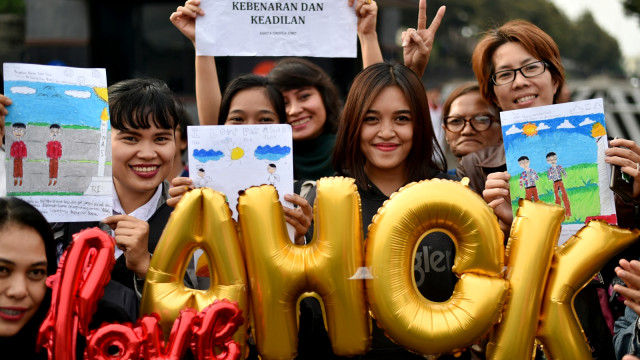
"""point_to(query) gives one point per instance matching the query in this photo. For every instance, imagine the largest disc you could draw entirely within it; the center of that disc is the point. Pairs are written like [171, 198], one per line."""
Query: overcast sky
[609, 14]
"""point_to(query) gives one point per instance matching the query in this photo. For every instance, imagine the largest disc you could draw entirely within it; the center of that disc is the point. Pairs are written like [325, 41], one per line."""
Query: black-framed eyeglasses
[505, 77]
[456, 124]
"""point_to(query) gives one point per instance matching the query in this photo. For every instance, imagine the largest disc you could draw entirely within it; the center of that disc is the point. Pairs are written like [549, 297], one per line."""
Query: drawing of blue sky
[36, 102]
[569, 137]
[272, 153]
[204, 155]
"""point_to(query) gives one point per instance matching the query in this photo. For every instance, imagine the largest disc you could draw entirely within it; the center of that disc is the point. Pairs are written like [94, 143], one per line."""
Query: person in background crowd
[472, 130]
[180, 168]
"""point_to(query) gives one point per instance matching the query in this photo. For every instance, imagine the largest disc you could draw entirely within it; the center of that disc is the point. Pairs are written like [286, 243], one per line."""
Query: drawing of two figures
[19, 152]
[555, 173]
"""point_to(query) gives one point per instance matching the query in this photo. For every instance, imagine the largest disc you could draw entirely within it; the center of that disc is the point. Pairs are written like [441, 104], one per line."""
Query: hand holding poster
[555, 154]
[276, 28]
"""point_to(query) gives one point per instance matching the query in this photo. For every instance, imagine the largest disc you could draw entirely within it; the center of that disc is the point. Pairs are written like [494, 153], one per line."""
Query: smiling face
[522, 92]
[386, 135]
[142, 158]
[251, 107]
[23, 272]
[469, 140]
[305, 112]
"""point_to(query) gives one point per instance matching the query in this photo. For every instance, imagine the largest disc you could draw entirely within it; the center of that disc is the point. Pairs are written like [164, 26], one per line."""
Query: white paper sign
[277, 28]
[58, 156]
[233, 158]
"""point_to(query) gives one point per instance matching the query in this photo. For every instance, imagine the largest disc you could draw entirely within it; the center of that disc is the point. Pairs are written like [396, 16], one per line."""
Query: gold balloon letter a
[544, 282]
[280, 272]
[203, 220]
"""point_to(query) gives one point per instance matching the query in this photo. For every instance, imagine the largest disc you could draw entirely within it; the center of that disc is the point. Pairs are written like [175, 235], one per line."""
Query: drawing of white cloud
[543, 126]
[78, 94]
[586, 122]
[513, 130]
[565, 125]
[23, 90]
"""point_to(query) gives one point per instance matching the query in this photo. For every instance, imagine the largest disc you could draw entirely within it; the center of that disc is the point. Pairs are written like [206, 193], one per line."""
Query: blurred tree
[12, 7]
[586, 48]
[632, 7]
[596, 51]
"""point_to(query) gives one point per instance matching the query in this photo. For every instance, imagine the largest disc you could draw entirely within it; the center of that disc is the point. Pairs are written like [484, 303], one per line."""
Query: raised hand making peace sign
[417, 44]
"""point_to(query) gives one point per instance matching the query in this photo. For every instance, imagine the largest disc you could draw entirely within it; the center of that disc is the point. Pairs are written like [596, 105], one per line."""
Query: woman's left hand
[628, 159]
[418, 43]
[300, 217]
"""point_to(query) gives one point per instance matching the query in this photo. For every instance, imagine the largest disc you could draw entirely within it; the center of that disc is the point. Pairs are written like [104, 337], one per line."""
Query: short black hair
[551, 154]
[252, 81]
[19, 125]
[54, 126]
[522, 158]
[137, 103]
[272, 165]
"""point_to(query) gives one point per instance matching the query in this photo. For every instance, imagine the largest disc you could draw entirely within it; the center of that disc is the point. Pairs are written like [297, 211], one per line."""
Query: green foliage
[12, 7]
[632, 7]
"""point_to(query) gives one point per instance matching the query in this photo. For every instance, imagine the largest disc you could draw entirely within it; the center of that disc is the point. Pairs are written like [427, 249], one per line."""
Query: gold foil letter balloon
[421, 325]
[280, 272]
[202, 220]
[544, 282]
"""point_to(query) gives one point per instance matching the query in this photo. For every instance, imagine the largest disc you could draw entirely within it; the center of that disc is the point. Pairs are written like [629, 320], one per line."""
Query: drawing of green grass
[582, 188]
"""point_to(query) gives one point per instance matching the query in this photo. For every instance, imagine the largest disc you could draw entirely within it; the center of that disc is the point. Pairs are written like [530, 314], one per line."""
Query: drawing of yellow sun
[598, 130]
[530, 129]
[102, 93]
[237, 153]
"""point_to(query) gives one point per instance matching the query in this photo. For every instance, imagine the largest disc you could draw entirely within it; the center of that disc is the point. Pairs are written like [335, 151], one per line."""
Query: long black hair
[17, 212]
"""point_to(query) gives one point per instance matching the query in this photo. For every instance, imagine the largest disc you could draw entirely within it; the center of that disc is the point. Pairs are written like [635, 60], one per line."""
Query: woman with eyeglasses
[472, 130]
[518, 66]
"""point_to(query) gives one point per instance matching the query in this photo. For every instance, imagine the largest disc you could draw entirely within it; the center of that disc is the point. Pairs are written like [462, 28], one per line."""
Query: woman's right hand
[184, 18]
[179, 187]
[497, 195]
[4, 102]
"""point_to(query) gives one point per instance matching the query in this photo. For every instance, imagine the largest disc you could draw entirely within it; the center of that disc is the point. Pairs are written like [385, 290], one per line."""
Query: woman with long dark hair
[27, 257]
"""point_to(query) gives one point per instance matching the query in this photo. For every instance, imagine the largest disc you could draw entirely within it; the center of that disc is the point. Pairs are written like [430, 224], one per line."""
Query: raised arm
[367, 13]
[418, 43]
[208, 95]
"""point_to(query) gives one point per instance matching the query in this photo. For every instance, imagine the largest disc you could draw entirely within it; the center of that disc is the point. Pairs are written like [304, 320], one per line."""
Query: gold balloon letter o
[421, 325]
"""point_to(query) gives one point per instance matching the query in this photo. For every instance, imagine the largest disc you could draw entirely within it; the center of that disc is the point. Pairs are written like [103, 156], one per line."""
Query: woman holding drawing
[519, 66]
[251, 99]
